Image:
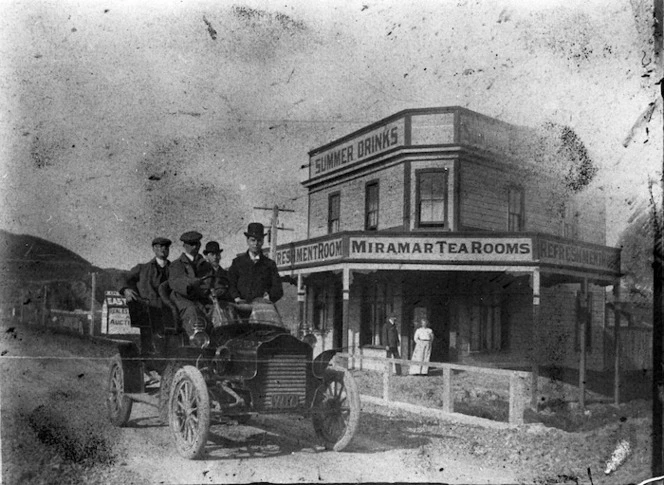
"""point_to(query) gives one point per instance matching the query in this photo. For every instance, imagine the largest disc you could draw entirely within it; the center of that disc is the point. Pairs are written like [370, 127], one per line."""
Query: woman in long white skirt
[422, 353]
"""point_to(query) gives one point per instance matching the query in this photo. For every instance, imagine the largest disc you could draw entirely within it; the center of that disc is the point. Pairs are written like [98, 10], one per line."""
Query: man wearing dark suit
[219, 282]
[391, 342]
[142, 283]
[188, 278]
[252, 274]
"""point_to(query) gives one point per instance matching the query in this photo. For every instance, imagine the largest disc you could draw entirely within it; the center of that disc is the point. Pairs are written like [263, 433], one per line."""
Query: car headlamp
[200, 339]
[310, 339]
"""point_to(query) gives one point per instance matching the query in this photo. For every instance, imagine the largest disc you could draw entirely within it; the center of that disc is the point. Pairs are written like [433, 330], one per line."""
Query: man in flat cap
[252, 274]
[189, 277]
[142, 283]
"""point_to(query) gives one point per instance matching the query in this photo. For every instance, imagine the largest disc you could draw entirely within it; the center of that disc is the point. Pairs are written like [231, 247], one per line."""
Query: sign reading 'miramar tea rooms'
[450, 249]
[437, 249]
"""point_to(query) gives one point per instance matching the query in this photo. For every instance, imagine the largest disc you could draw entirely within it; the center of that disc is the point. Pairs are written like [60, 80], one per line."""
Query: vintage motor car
[247, 366]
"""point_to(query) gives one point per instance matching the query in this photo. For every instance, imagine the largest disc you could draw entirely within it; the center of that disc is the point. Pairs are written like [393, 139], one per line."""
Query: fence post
[616, 344]
[22, 303]
[386, 380]
[516, 399]
[44, 298]
[92, 303]
[448, 395]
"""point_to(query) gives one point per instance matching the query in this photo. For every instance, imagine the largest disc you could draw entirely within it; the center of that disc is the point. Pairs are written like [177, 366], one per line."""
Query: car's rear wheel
[336, 412]
[165, 390]
[189, 412]
[117, 403]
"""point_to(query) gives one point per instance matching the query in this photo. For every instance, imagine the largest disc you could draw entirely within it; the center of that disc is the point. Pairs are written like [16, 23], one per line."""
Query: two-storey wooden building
[442, 213]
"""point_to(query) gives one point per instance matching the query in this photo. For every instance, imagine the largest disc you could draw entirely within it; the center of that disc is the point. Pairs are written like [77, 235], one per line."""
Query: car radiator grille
[285, 382]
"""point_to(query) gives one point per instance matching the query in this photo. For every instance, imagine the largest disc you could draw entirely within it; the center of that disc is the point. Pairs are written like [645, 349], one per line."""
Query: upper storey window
[515, 210]
[371, 206]
[333, 212]
[431, 198]
[571, 221]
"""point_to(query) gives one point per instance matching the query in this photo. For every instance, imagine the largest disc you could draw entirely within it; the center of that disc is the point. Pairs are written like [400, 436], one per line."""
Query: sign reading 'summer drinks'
[358, 149]
[507, 250]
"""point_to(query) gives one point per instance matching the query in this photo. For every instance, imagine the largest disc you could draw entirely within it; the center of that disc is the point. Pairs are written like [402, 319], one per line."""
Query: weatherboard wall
[483, 159]
[352, 203]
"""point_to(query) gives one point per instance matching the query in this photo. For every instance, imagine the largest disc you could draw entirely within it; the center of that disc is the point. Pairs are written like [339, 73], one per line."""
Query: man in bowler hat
[252, 274]
[189, 277]
[140, 287]
[219, 283]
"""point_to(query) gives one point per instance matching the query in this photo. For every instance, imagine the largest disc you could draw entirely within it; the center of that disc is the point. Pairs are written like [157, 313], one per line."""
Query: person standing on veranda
[392, 342]
[422, 353]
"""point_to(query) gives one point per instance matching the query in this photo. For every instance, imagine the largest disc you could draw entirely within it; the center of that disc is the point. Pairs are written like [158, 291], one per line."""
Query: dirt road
[284, 449]
[53, 405]
[55, 430]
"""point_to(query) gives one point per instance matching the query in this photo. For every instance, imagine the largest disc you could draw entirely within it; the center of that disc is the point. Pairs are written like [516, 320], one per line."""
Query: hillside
[29, 263]
[30, 258]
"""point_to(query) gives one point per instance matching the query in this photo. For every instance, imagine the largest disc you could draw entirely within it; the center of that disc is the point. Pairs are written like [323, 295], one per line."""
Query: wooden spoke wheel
[118, 405]
[189, 412]
[336, 412]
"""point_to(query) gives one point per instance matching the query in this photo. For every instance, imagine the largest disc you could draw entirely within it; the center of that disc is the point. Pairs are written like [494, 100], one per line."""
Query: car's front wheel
[118, 405]
[336, 412]
[189, 412]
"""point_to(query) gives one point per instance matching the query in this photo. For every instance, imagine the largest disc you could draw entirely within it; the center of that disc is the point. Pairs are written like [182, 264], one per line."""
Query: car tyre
[189, 412]
[165, 391]
[118, 404]
[336, 412]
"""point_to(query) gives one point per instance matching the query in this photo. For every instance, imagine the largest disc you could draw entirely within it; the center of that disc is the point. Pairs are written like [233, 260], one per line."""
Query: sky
[126, 120]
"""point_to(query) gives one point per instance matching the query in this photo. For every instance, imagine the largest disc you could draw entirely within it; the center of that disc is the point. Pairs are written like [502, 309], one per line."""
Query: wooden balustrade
[516, 379]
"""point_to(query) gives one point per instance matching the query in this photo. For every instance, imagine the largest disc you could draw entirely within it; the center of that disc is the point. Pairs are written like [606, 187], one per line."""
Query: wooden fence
[518, 389]
[84, 322]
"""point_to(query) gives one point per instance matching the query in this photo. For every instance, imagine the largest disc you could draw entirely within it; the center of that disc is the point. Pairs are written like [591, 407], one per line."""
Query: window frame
[487, 328]
[419, 175]
[570, 221]
[522, 208]
[331, 229]
[320, 308]
[377, 304]
[370, 184]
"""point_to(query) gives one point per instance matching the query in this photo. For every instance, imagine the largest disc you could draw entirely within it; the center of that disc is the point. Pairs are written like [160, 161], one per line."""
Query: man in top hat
[142, 283]
[220, 282]
[252, 274]
[189, 282]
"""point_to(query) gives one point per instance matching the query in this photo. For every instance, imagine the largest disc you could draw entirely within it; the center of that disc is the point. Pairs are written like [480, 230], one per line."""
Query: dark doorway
[439, 323]
[428, 296]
